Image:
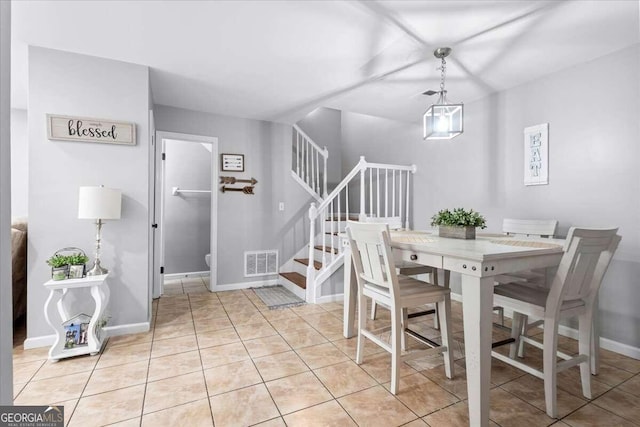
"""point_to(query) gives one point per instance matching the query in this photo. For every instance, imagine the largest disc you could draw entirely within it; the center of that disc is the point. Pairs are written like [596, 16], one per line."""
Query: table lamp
[99, 203]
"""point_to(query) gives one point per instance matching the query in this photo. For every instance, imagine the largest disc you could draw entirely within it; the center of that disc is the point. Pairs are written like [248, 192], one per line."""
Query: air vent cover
[260, 263]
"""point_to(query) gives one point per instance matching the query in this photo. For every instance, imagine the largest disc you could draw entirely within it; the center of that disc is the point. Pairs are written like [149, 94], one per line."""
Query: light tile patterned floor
[225, 359]
[187, 285]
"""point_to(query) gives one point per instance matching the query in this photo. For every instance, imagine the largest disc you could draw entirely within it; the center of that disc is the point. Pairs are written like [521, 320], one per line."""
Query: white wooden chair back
[588, 253]
[394, 222]
[530, 227]
[371, 253]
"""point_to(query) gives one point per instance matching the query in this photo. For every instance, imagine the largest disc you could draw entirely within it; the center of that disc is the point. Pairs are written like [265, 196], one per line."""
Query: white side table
[56, 313]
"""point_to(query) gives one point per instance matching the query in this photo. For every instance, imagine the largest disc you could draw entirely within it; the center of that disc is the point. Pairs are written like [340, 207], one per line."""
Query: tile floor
[225, 359]
[187, 285]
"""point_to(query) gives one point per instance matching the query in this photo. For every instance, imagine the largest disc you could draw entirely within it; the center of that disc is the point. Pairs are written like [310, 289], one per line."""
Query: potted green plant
[458, 223]
[59, 266]
[77, 263]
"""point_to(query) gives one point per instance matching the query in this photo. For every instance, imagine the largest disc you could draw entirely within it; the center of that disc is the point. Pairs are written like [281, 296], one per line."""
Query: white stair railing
[381, 193]
[309, 166]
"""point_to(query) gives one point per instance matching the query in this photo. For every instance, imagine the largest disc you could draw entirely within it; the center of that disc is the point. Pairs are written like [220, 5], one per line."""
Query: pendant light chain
[443, 72]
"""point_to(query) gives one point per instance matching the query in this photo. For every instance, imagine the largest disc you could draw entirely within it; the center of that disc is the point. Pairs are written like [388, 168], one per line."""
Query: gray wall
[187, 217]
[323, 126]
[6, 317]
[19, 164]
[73, 84]
[249, 222]
[594, 179]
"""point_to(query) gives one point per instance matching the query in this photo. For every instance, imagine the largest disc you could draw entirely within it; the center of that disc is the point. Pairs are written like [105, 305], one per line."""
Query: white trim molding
[110, 331]
[330, 298]
[173, 276]
[246, 285]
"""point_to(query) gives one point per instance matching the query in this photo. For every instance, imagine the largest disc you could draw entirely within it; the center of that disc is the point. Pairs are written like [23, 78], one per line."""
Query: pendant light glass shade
[443, 121]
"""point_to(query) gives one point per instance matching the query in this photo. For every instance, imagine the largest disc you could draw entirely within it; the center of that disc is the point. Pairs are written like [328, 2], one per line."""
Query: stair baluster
[328, 208]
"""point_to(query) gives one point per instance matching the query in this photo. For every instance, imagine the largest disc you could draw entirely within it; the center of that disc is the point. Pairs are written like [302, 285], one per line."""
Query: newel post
[326, 160]
[362, 216]
[311, 272]
[414, 169]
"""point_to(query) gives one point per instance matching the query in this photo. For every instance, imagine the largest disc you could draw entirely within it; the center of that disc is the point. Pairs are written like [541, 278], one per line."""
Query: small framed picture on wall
[232, 162]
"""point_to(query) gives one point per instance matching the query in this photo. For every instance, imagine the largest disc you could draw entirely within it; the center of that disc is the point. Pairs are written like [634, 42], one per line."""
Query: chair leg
[374, 310]
[436, 316]
[405, 325]
[516, 332]
[362, 322]
[444, 314]
[525, 323]
[396, 324]
[584, 347]
[595, 340]
[549, 366]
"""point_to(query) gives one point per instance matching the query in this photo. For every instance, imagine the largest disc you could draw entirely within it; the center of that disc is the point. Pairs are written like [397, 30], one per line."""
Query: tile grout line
[204, 377]
[256, 367]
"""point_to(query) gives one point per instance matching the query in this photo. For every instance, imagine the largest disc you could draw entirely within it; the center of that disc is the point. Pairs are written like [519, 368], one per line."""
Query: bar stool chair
[377, 279]
[526, 228]
[573, 293]
[408, 268]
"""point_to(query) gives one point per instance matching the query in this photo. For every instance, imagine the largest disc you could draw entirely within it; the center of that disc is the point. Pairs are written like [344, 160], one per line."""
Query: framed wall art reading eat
[536, 155]
[232, 162]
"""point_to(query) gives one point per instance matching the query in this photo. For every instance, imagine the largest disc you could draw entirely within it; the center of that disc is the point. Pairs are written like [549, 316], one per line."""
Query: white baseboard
[130, 328]
[110, 331]
[330, 298]
[605, 343]
[245, 285]
[36, 342]
[293, 288]
[186, 275]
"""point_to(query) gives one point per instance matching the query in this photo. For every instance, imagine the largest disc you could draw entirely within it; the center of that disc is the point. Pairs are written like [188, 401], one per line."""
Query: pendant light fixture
[442, 120]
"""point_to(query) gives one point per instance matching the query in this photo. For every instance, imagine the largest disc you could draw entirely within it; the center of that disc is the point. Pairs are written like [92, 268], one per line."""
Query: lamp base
[97, 269]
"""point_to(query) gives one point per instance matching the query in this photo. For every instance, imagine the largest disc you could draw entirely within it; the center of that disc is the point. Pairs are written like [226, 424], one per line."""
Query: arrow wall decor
[246, 190]
[233, 180]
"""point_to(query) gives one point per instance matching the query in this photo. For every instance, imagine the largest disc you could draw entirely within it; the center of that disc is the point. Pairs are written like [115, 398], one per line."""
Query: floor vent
[260, 263]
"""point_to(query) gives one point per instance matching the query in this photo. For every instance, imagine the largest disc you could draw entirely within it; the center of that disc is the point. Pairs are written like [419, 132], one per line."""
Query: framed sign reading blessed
[66, 128]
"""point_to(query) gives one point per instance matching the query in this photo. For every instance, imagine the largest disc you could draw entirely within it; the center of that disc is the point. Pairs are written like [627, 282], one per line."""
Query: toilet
[207, 259]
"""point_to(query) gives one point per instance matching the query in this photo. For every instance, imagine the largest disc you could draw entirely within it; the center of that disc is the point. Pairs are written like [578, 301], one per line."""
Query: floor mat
[277, 296]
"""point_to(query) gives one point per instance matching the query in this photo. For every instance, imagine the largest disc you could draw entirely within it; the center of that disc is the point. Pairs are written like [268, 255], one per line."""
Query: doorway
[185, 208]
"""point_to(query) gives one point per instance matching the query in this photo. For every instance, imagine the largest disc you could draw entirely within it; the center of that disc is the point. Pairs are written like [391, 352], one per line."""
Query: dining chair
[407, 268]
[573, 293]
[377, 279]
[545, 228]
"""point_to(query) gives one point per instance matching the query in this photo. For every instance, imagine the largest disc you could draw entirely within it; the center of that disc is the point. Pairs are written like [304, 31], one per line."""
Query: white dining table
[477, 261]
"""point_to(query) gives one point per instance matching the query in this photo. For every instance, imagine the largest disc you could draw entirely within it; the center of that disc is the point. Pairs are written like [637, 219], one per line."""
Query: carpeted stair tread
[326, 249]
[296, 278]
[305, 261]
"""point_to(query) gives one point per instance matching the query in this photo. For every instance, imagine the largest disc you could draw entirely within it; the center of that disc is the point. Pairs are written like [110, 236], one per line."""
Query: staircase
[370, 192]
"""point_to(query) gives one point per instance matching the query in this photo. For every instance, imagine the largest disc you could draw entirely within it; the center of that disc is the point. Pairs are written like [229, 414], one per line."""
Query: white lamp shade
[99, 203]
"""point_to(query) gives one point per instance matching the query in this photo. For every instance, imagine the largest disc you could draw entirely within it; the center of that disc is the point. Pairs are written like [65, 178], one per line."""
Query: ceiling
[279, 60]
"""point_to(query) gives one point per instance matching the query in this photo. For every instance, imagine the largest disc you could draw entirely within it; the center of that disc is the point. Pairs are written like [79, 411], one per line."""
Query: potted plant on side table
[59, 266]
[77, 263]
[458, 223]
